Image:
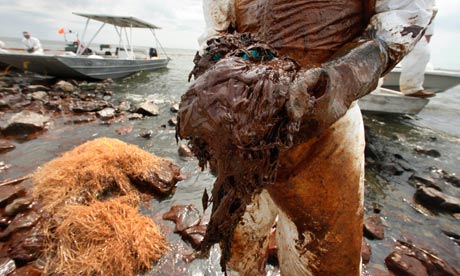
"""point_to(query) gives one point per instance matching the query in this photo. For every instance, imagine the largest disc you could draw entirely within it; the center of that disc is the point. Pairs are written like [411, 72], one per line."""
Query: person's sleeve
[354, 70]
[219, 15]
[35, 44]
[400, 24]
[430, 29]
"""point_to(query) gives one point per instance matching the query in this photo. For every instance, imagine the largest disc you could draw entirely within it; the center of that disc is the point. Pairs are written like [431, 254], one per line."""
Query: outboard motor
[153, 52]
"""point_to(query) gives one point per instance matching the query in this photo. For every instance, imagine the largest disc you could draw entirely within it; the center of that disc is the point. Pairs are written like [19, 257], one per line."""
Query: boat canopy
[121, 24]
[120, 21]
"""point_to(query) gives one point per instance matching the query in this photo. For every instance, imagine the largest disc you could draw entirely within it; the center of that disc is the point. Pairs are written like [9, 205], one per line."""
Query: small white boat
[124, 61]
[387, 99]
[436, 80]
[384, 100]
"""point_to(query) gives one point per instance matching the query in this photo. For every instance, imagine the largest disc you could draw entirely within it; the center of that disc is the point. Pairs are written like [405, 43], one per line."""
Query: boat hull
[111, 68]
[3, 66]
[388, 101]
[435, 80]
[81, 67]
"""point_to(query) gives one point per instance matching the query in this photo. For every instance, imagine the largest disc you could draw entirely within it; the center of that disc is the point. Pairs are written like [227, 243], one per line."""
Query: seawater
[165, 87]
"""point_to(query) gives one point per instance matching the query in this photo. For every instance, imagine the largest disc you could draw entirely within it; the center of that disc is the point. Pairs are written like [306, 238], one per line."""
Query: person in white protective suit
[32, 44]
[414, 64]
[343, 47]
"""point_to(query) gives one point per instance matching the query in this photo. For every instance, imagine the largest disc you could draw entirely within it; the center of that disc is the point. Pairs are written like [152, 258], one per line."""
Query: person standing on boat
[32, 44]
[343, 47]
[414, 64]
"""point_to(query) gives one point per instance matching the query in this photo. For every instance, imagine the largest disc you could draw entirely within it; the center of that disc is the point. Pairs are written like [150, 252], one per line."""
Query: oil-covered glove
[319, 96]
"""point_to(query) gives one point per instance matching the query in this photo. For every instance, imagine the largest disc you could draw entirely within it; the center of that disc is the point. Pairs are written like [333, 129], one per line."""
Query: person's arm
[219, 16]
[27, 45]
[320, 96]
[400, 24]
[430, 29]
[36, 44]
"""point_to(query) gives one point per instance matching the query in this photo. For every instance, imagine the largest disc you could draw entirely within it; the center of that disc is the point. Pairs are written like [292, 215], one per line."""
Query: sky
[181, 22]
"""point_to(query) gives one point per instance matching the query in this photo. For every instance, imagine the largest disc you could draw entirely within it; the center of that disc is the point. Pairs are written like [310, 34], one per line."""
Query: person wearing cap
[32, 44]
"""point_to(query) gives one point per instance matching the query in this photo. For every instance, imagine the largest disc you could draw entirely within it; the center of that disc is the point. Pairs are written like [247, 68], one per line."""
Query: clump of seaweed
[101, 169]
[90, 197]
[103, 238]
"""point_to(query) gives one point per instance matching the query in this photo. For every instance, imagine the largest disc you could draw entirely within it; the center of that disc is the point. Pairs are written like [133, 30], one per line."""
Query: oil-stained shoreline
[401, 161]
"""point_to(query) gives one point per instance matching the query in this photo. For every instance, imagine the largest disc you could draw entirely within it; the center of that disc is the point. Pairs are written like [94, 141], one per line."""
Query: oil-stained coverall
[318, 195]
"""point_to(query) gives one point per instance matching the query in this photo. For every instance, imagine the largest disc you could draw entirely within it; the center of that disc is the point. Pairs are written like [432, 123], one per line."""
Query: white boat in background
[384, 100]
[436, 80]
[387, 99]
[118, 62]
